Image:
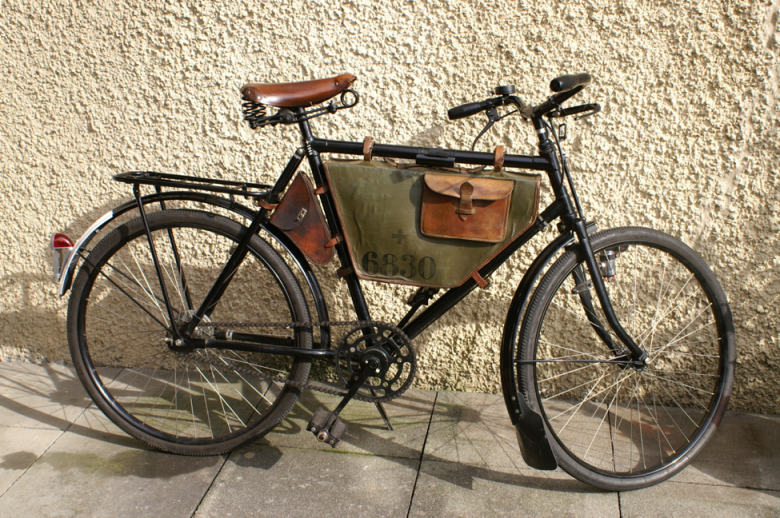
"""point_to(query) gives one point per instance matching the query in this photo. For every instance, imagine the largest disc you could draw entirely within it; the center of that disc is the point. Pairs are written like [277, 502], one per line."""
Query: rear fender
[69, 264]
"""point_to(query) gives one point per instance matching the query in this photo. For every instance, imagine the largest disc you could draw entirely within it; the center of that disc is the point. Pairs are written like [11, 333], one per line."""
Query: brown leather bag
[465, 207]
[300, 217]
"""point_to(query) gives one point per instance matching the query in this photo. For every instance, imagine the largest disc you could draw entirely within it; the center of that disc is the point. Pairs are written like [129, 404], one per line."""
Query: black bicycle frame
[572, 222]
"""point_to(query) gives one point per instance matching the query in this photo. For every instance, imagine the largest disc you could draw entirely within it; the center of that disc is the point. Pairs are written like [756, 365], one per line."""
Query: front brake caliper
[607, 264]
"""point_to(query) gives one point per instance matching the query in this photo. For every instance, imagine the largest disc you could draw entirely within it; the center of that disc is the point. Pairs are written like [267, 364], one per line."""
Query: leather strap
[267, 206]
[480, 280]
[499, 155]
[334, 241]
[368, 148]
[343, 272]
[466, 204]
[498, 158]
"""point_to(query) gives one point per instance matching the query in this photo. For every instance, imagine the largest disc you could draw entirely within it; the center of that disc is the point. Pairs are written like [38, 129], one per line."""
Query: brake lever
[493, 117]
[590, 109]
[588, 114]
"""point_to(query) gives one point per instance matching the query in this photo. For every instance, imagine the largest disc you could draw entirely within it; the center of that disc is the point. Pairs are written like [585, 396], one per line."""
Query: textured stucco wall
[687, 142]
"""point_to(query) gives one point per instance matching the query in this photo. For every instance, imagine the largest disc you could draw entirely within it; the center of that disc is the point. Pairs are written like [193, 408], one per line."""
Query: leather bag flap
[487, 189]
[299, 217]
[295, 205]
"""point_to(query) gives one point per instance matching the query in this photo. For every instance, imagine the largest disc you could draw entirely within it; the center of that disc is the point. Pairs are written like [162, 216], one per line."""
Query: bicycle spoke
[567, 373]
[240, 395]
[190, 400]
[613, 420]
[150, 291]
[584, 319]
[579, 353]
[135, 301]
[673, 340]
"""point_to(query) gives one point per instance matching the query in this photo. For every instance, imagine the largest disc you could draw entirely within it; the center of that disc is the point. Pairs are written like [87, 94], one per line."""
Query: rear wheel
[610, 424]
[203, 401]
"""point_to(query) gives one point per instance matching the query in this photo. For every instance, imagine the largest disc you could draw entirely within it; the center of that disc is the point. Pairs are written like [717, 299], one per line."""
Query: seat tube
[334, 225]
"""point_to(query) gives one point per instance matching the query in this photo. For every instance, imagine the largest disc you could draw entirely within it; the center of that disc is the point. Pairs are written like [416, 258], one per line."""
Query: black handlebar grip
[569, 81]
[468, 109]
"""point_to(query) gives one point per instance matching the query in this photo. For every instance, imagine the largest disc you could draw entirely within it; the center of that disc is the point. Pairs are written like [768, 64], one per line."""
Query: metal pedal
[327, 427]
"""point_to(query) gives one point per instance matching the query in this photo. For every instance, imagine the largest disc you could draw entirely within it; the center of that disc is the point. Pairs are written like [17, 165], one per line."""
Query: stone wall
[687, 141]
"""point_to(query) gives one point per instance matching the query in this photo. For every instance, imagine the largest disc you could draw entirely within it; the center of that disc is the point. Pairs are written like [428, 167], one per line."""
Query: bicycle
[196, 333]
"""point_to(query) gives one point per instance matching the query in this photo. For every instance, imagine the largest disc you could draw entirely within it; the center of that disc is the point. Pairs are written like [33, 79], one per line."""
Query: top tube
[536, 163]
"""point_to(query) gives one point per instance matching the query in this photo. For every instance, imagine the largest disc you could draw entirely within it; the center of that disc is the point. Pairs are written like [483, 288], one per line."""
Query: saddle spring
[253, 112]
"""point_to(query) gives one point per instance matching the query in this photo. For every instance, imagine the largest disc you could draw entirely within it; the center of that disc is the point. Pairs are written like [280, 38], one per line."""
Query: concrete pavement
[451, 454]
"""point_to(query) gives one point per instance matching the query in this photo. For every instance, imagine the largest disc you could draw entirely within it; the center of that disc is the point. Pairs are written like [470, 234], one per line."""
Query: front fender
[528, 424]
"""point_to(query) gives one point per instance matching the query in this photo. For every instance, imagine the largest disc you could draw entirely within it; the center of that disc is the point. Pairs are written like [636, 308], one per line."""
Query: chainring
[380, 345]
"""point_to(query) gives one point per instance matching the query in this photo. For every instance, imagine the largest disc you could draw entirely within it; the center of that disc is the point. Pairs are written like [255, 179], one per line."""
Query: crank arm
[369, 368]
[327, 426]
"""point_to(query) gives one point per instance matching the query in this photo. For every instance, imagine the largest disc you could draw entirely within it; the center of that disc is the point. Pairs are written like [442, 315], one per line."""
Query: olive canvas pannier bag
[428, 227]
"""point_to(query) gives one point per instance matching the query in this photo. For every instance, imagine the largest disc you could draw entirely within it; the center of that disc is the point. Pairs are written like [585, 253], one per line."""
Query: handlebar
[566, 86]
[469, 109]
[555, 101]
[591, 109]
[569, 81]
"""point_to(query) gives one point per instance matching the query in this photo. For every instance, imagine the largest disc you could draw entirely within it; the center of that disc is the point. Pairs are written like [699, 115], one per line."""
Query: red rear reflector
[61, 241]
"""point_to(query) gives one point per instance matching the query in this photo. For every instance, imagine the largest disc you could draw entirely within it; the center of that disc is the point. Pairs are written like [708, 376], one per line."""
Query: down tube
[453, 296]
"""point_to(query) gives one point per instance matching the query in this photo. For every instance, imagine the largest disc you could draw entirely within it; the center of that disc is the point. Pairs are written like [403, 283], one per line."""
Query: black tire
[207, 401]
[611, 425]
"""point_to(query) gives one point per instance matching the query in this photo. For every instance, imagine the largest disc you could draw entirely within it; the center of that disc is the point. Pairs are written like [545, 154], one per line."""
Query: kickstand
[382, 412]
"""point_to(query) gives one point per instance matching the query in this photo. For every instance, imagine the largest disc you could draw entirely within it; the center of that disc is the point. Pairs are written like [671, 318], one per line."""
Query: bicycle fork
[636, 354]
[576, 222]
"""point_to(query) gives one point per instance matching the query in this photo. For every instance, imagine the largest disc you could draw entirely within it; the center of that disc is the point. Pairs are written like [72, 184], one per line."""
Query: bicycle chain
[310, 325]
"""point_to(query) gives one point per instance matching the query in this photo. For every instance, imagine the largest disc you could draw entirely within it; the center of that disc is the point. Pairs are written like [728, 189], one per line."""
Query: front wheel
[201, 401]
[610, 424]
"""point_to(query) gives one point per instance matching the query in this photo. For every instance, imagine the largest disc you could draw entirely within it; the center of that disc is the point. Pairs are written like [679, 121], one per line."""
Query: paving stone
[97, 470]
[472, 465]
[40, 396]
[674, 499]
[19, 449]
[473, 429]
[262, 480]
[744, 452]
[457, 490]
[366, 431]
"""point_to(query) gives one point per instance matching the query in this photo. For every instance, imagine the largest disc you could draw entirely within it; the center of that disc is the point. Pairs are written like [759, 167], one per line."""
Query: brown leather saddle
[296, 95]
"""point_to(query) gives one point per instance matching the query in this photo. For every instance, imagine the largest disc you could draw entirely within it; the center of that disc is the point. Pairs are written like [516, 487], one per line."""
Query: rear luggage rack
[247, 189]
